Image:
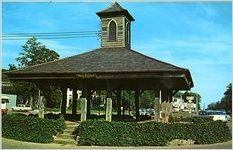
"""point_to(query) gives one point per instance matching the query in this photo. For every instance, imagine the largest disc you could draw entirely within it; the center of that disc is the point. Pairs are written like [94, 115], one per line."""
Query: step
[71, 123]
[71, 126]
[68, 131]
[64, 141]
[66, 136]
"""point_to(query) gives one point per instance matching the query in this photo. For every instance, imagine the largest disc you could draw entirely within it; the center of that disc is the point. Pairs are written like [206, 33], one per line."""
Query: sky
[193, 35]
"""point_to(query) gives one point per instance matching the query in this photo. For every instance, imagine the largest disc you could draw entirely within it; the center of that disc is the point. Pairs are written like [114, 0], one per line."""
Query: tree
[147, 99]
[189, 93]
[128, 98]
[33, 53]
[12, 67]
[212, 106]
[225, 103]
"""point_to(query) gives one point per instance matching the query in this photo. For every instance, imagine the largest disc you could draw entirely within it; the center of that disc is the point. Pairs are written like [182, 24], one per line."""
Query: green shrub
[30, 128]
[211, 132]
[193, 119]
[202, 119]
[100, 132]
[96, 132]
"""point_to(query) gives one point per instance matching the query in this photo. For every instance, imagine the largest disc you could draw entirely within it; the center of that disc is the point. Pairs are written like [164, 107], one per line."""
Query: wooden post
[41, 107]
[31, 101]
[83, 109]
[88, 97]
[64, 100]
[137, 94]
[118, 94]
[160, 101]
[123, 110]
[167, 109]
[109, 106]
[157, 107]
[68, 90]
[74, 104]
[99, 99]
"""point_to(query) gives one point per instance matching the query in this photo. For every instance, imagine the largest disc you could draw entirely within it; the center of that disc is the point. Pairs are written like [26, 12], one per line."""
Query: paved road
[13, 144]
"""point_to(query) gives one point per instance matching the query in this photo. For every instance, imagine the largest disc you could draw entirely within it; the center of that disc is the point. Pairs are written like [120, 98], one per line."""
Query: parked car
[217, 115]
[22, 108]
[150, 112]
[4, 101]
[142, 111]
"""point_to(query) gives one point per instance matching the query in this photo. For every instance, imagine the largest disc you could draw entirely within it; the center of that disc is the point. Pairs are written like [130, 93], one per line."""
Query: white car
[22, 108]
[217, 115]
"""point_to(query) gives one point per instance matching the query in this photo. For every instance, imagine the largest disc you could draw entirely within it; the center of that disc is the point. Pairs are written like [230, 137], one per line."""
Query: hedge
[194, 119]
[102, 133]
[30, 128]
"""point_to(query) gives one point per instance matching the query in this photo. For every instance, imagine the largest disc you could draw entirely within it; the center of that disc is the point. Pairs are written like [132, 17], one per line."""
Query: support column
[159, 105]
[158, 100]
[84, 105]
[83, 109]
[137, 94]
[74, 103]
[118, 94]
[88, 97]
[124, 104]
[109, 106]
[64, 100]
[31, 101]
[69, 92]
[41, 105]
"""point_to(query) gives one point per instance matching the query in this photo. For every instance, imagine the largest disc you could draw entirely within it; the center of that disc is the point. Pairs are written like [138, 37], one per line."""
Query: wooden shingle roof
[115, 8]
[103, 60]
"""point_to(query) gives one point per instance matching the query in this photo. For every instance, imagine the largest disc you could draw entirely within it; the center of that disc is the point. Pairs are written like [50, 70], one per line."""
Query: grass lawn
[13, 144]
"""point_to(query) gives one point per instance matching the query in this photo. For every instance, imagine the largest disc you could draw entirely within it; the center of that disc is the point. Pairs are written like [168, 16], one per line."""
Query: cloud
[208, 58]
[189, 49]
[62, 49]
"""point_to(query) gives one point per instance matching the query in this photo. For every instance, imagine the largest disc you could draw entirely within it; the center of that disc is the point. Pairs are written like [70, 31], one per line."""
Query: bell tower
[115, 26]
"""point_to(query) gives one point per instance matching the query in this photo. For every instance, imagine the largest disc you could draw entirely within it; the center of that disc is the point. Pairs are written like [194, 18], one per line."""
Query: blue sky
[194, 35]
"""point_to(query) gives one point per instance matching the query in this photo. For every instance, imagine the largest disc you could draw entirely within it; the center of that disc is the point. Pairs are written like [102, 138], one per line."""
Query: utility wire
[50, 35]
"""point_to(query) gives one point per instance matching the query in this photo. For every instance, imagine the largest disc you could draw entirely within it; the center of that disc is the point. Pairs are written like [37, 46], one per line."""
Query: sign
[86, 75]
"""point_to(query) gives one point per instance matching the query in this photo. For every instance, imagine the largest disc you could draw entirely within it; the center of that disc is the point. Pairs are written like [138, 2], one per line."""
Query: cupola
[115, 26]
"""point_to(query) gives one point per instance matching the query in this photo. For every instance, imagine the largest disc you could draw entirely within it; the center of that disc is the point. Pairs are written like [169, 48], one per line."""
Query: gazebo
[112, 67]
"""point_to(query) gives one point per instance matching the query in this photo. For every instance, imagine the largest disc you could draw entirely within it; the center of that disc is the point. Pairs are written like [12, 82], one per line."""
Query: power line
[62, 37]
[50, 35]
[51, 32]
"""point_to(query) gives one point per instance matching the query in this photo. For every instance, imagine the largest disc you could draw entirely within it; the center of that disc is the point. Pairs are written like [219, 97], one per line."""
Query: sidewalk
[14, 144]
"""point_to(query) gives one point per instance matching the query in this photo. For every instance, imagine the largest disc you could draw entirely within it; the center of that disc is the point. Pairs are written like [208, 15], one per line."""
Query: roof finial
[115, 8]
